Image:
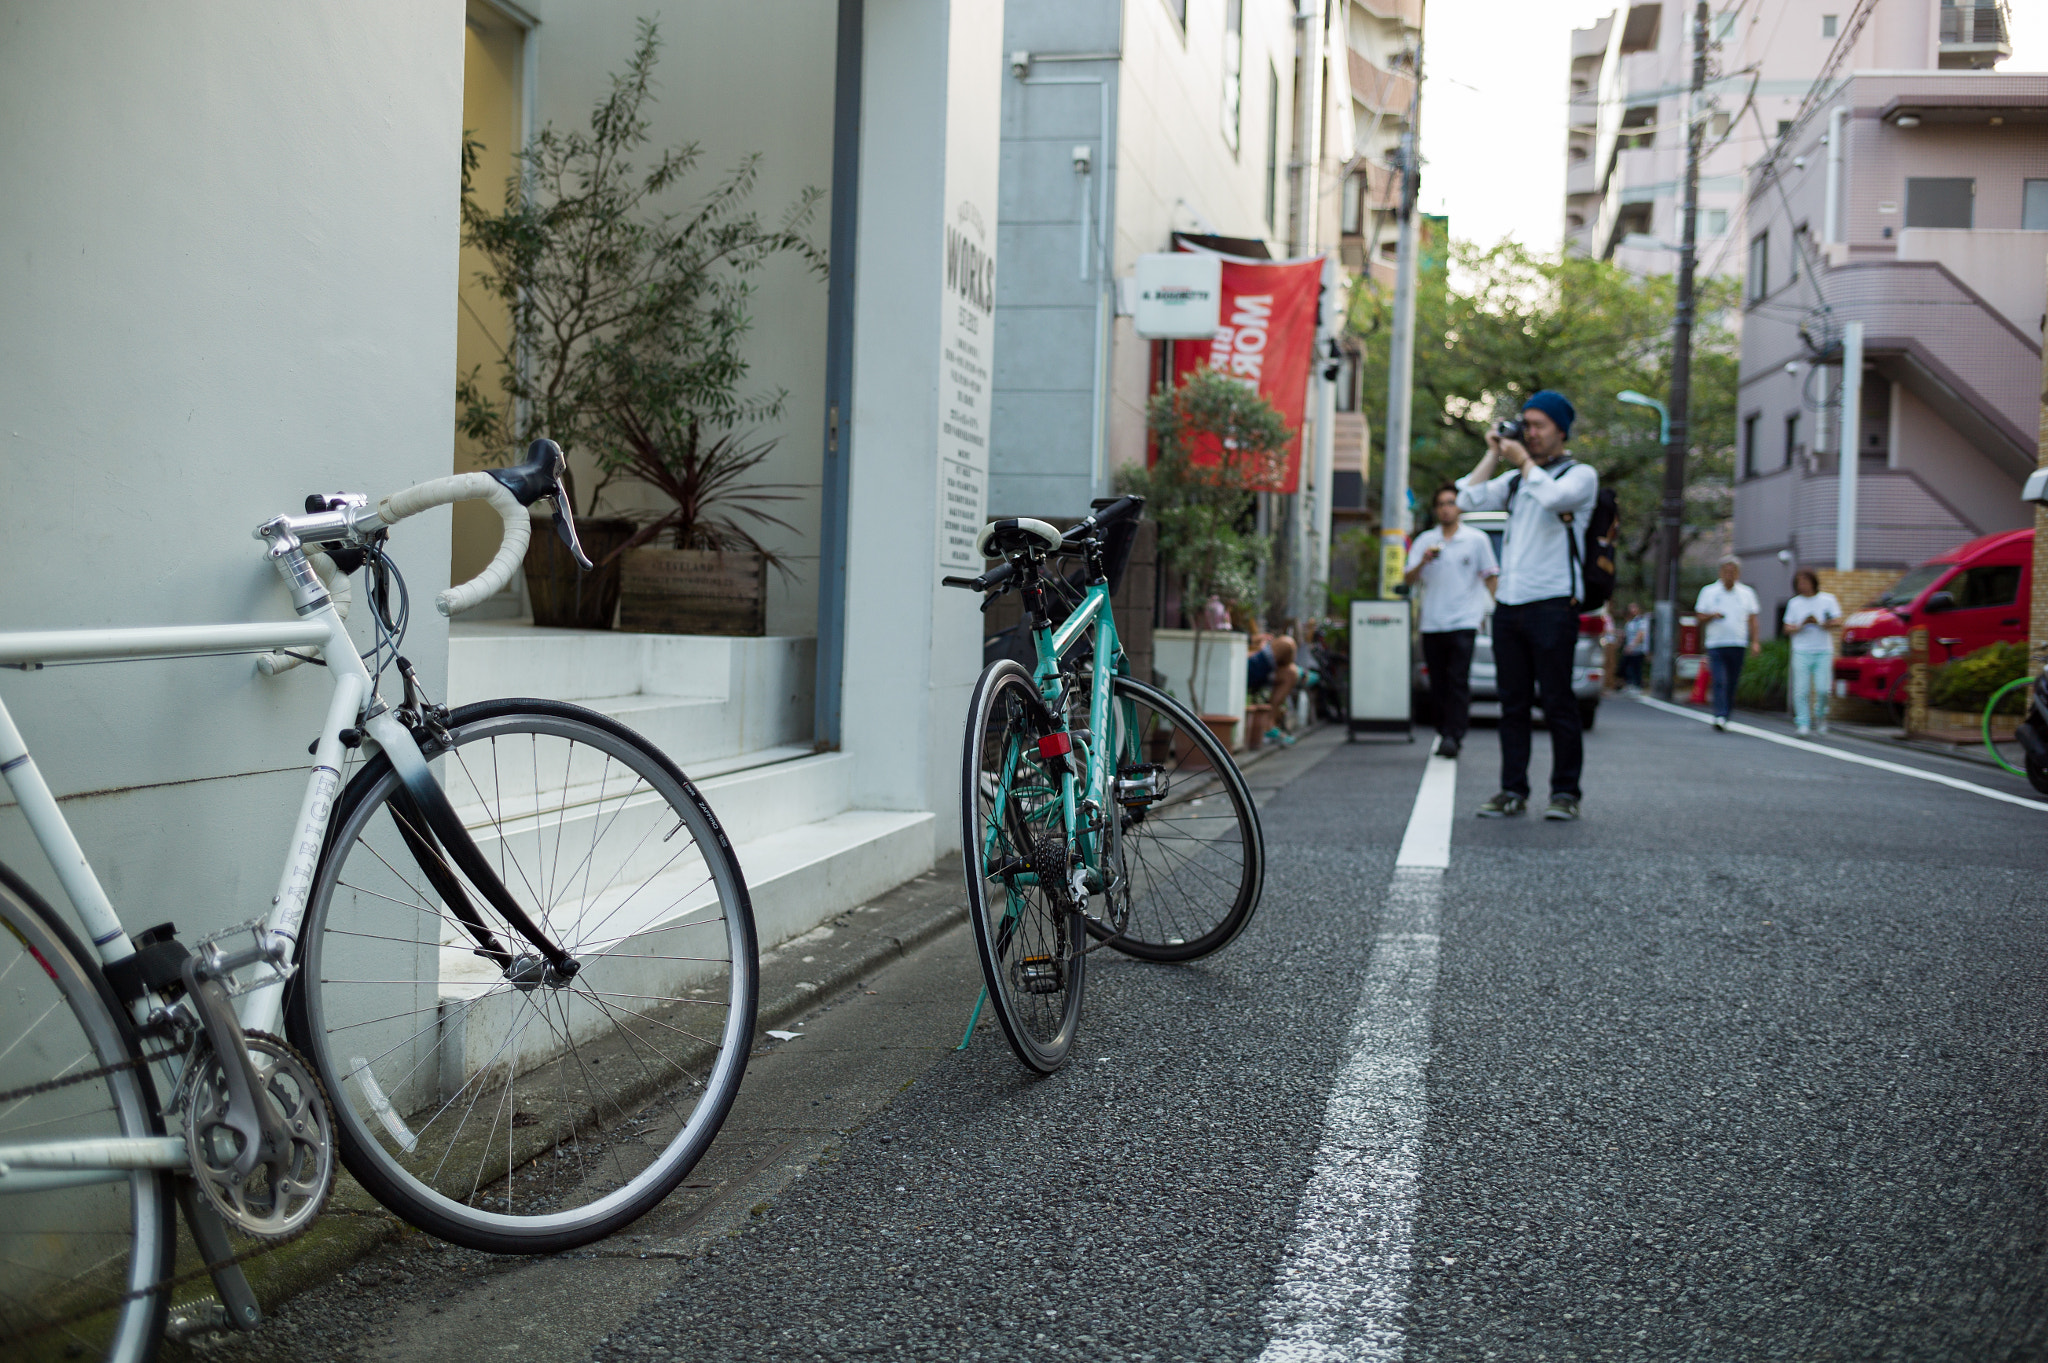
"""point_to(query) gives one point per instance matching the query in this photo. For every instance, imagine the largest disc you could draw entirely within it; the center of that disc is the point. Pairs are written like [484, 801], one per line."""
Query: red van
[1973, 595]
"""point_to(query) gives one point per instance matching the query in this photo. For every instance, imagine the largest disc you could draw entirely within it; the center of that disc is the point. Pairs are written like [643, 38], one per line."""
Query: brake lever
[565, 530]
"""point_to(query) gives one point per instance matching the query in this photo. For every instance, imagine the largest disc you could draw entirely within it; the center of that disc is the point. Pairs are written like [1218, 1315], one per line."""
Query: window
[1992, 585]
[1940, 202]
[1233, 71]
[1784, 126]
[1347, 488]
[1792, 450]
[1354, 204]
[1802, 236]
[1718, 124]
[1713, 222]
[1828, 23]
[1759, 265]
[1273, 149]
[1724, 25]
[2034, 207]
[1179, 10]
[1750, 461]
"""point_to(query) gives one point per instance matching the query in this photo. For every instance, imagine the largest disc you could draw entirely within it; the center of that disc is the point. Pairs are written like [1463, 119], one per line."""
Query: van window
[1902, 592]
[1995, 584]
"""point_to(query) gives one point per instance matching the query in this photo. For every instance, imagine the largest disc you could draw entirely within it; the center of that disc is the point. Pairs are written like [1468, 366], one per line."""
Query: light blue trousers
[1813, 676]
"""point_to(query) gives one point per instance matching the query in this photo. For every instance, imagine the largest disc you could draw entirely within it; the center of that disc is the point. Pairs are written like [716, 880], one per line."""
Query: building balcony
[1375, 87]
[1975, 37]
[1579, 177]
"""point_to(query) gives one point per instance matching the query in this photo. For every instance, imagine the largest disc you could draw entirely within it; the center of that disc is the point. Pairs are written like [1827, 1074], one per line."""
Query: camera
[1511, 429]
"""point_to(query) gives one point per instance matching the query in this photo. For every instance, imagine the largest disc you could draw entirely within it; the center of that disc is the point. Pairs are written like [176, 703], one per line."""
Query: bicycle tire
[1030, 939]
[72, 1289]
[1187, 894]
[666, 990]
[1990, 744]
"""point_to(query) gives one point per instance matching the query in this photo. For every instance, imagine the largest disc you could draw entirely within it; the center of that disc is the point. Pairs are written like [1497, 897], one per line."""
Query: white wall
[735, 79]
[2007, 269]
[228, 281]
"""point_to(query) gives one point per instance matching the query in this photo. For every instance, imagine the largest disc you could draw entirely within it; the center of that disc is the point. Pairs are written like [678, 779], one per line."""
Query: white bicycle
[509, 974]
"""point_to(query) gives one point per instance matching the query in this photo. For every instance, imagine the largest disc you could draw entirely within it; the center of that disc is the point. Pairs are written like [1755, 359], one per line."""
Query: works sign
[1265, 335]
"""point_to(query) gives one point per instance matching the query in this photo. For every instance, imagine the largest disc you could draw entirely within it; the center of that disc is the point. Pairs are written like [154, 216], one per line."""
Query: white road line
[1343, 1286]
[1859, 759]
[1427, 843]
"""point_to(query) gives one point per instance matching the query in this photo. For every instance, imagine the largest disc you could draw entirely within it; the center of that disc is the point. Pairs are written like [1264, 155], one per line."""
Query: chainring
[282, 1195]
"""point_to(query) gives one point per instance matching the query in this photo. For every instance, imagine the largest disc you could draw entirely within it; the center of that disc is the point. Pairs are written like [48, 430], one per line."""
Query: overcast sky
[1494, 160]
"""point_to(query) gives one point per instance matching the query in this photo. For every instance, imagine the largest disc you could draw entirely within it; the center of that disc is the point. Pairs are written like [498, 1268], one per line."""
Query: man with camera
[1548, 497]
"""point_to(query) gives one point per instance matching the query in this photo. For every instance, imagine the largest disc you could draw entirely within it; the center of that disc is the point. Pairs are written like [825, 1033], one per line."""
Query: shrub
[1966, 683]
[1765, 677]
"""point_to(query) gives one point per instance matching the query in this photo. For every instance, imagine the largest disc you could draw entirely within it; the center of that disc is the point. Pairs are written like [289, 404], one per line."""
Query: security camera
[1084, 157]
[1785, 556]
[1799, 163]
[1792, 368]
[1020, 63]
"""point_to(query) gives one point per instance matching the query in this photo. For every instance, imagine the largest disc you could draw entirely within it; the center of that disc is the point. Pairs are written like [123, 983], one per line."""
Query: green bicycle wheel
[1027, 926]
[2006, 752]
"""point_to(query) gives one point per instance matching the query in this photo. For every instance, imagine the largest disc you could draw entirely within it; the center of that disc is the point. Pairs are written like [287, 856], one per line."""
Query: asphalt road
[1748, 1064]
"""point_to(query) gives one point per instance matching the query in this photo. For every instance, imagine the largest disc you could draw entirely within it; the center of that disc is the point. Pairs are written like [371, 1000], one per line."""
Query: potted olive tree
[1219, 441]
[628, 319]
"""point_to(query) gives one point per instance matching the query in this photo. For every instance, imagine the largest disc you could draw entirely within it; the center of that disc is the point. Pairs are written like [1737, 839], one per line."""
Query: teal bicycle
[1096, 810]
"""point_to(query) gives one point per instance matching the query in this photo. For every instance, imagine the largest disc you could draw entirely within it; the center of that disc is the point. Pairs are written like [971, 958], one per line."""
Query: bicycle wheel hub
[1041, 975]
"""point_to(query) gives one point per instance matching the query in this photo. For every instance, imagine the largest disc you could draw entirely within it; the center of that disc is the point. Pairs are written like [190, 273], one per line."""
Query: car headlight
[1891, 646]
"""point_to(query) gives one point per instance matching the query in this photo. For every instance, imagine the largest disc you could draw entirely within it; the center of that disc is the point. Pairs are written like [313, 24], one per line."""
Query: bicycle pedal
[1041, 975]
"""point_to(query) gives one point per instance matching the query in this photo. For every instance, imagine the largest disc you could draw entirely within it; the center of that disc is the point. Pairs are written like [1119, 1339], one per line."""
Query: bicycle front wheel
[478, 1093]
[1027, 927]
[1188, 859]
[84, 1260]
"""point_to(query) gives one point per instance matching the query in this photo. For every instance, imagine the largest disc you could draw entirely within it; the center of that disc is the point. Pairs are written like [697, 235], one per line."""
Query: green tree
[1501, 322]
[628, 318]
[1219, 441]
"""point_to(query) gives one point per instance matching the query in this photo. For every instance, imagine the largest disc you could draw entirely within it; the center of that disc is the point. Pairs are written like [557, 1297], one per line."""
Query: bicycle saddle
[1018, 534]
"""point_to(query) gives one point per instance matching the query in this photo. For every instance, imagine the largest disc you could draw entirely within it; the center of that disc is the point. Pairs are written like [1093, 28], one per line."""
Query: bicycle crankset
[288, 1185]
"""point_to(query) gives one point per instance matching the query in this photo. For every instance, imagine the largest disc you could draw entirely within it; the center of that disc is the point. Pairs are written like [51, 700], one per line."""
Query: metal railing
[1986, 22]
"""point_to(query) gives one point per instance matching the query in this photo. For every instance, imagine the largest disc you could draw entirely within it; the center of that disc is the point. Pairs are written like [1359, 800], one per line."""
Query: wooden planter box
[1257, 719]
[1191, 758]
[693, 591]
[563, 595]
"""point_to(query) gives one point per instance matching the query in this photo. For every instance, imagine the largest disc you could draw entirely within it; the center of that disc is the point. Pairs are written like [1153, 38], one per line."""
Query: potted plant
[1218, 442]
[627, 325]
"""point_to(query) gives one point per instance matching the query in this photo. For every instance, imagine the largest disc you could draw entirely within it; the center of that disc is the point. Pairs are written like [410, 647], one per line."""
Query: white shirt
[1735, 605]
[1454, 592]
[1536, 558]
[1822, 607]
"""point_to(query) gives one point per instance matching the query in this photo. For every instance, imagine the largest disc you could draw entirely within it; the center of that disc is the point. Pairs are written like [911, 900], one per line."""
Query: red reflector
[1055, 745]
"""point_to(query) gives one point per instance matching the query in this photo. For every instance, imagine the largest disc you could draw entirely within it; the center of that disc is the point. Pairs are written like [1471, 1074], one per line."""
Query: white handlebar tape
[343, 593]
[466, 487]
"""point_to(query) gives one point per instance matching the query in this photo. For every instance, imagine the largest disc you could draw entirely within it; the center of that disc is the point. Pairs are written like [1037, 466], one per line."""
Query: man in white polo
[1457, 572]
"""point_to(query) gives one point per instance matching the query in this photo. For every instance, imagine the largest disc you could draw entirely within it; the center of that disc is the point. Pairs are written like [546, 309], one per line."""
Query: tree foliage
[1503, 322]
[1218, 440]
[628, 318]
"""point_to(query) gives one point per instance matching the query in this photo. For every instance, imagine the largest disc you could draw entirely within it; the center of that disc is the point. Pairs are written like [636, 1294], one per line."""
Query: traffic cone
[1703, 684]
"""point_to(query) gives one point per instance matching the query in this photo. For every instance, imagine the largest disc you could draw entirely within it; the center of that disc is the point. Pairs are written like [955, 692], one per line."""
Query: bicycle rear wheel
[82, 1267]
[482, 1096]
[1027, 929]
[1188, 856]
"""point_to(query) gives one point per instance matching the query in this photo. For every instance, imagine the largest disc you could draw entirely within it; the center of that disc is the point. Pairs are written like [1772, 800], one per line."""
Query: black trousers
[1532, 656]
[1448, 656]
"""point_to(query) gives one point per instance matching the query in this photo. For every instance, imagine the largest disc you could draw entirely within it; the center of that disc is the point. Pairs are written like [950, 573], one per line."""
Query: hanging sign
[1265, 336]
[1179, 293]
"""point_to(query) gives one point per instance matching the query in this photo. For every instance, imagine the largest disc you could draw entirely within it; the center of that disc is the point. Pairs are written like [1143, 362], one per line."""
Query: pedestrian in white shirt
[1455, 568]
[1728, 608]
[1548, 498]
[1807, 617]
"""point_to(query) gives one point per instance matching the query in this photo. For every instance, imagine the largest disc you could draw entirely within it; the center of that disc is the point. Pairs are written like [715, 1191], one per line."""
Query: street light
[1664, 634]
[1631, 396]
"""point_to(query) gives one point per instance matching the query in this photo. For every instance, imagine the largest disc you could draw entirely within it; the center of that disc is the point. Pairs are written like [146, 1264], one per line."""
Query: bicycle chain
[175, 1280]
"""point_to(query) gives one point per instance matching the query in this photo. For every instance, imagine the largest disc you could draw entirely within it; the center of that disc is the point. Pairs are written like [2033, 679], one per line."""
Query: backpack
[1593, 553]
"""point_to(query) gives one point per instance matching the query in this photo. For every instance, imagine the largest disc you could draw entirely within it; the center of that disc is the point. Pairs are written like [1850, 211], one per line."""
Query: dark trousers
[1448, 656]
[1532, 656]
[1726, 660]
[1632, 669]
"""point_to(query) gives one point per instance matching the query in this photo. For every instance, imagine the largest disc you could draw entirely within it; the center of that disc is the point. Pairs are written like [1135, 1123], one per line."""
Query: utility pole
[1401, 361]
[1671, 517]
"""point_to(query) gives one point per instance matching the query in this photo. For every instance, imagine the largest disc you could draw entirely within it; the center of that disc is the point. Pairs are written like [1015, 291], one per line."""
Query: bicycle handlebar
[998, 578]
[466, 487]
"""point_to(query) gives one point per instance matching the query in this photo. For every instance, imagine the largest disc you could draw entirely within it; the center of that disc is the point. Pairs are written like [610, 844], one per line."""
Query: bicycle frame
[354, 702]
[1053, 644]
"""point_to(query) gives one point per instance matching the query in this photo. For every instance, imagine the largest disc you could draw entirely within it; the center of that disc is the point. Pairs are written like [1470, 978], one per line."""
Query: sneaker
[1720, 725]
[1801, 730]
[1277, 735]
[1505, 805]
[1562, 808]
[1821, 727]
[1447, 747]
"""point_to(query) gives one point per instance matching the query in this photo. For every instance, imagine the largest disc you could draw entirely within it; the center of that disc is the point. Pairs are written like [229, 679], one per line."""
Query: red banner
[1266, 336]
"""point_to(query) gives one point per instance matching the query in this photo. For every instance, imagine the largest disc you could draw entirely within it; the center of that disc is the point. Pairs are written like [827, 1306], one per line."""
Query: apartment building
[1916, 203]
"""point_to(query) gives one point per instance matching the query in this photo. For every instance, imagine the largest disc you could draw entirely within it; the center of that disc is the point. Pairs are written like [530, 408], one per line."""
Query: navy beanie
[1553, 405]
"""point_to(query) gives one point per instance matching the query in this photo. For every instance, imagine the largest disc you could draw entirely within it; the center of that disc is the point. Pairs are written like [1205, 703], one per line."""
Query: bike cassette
[287, 1186]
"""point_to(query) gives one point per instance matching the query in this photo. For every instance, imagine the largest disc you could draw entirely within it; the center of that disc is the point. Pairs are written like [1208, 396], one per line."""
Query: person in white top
[1728, 608]
[1807, 617]
[1455, 568]
[1549, 499]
